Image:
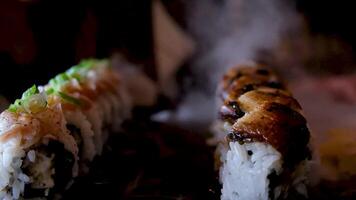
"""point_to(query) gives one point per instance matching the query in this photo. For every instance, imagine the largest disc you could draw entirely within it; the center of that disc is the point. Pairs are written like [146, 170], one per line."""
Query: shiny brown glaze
[259, 108]
[244, 78]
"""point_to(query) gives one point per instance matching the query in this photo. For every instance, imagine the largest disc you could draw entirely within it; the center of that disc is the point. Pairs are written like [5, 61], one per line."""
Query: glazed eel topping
[257, 107]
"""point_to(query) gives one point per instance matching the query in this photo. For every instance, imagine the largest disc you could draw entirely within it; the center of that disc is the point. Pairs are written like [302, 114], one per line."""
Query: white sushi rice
[107, 110]
[12, 178]
[11, 175]
[104, 103]
[78, 119]
[94, 115]
[245, 168]
[41, 171]
[244, 176]
[31, 155]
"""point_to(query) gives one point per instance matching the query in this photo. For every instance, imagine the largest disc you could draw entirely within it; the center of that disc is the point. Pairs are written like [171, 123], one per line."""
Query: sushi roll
[264, 153]
[52, 134]
[38, 156]
[94, 102]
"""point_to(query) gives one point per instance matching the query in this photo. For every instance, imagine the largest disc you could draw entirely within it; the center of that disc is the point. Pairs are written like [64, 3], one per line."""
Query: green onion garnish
[29, 92]
[70, 99]
[31, 101]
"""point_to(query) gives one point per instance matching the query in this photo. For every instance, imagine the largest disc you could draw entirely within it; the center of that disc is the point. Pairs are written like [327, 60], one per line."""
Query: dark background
[40, 38]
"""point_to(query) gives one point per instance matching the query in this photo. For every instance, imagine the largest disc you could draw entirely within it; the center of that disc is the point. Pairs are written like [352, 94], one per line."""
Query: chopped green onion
[68, 98]
[35, 103]
[62, 78]
[80, 71]
[29, 92]
[17, 102]
[73, 73]
[31, 101]
[53, 81]
[50, 91]
[87, 63]
[13, 108]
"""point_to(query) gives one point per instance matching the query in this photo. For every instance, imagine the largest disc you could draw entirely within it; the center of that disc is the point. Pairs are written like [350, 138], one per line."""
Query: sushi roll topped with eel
[53, 132]
[265, 151]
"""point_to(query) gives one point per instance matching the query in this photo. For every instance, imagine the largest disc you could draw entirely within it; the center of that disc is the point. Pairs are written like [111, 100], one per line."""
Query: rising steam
[227, 33]
[233, 31]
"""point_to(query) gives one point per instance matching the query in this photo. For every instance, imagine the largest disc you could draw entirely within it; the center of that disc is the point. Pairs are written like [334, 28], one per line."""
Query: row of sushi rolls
[52, 133]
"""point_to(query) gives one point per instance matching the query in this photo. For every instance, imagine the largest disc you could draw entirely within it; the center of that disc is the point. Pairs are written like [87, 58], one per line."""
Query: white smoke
[233, 31]
[227, 33]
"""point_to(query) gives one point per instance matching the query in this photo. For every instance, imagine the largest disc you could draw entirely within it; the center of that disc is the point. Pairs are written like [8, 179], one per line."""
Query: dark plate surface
[151, 161]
